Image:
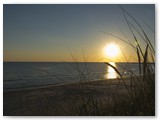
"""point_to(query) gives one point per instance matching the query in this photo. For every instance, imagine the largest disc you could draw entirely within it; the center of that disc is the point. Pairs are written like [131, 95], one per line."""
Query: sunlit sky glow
[111, 50]
[49, 33]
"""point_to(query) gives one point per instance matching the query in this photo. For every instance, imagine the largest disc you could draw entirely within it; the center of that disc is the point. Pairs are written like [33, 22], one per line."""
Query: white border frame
[81, 2]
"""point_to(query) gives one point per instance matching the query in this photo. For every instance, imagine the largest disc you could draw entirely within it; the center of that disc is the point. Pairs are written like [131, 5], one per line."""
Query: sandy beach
[57, 99]
[110, 97]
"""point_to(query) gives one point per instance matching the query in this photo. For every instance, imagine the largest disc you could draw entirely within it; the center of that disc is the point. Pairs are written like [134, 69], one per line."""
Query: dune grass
[139, 98]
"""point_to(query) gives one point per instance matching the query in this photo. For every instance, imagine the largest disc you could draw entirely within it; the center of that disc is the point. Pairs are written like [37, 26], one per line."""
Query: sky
[53, 33]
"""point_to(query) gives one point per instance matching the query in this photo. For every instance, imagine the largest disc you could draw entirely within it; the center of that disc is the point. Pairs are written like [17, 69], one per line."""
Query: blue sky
[47, 32]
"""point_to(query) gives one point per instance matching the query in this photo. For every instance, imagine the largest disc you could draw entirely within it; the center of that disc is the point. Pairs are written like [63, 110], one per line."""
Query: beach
[60, 99]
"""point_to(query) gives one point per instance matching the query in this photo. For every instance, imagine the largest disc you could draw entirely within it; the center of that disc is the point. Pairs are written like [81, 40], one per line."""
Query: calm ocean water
[32, 74]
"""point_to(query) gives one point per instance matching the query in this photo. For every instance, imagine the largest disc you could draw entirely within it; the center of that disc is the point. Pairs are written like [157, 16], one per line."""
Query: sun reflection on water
[111, 73]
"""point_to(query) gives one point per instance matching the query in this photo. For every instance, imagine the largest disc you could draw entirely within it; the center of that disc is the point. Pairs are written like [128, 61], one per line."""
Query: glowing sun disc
[111, 50]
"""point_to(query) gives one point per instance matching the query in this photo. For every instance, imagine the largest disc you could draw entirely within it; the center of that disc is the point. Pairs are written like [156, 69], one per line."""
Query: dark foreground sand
[58, 100]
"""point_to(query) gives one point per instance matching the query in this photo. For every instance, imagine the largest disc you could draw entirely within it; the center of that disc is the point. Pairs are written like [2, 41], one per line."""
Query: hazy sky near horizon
[50, 32]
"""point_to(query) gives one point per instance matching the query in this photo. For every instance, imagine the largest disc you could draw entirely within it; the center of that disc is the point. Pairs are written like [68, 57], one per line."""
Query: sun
[111, 50]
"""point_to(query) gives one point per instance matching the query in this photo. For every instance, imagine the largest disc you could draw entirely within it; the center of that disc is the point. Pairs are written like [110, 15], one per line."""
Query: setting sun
[111, 50]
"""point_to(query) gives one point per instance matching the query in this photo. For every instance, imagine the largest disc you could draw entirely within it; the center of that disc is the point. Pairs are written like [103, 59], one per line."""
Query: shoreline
[65, 84]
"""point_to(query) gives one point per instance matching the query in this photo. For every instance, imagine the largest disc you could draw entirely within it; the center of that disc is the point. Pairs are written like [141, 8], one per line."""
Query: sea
[21, 75]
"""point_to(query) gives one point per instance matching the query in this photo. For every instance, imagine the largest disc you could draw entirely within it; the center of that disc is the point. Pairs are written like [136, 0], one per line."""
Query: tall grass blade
[126, 37]
[118, 38]
[135, 38]
[114, 68]
[124, 11]
[120, 76]
[149, 27]
[139, 60]
[145, 60]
